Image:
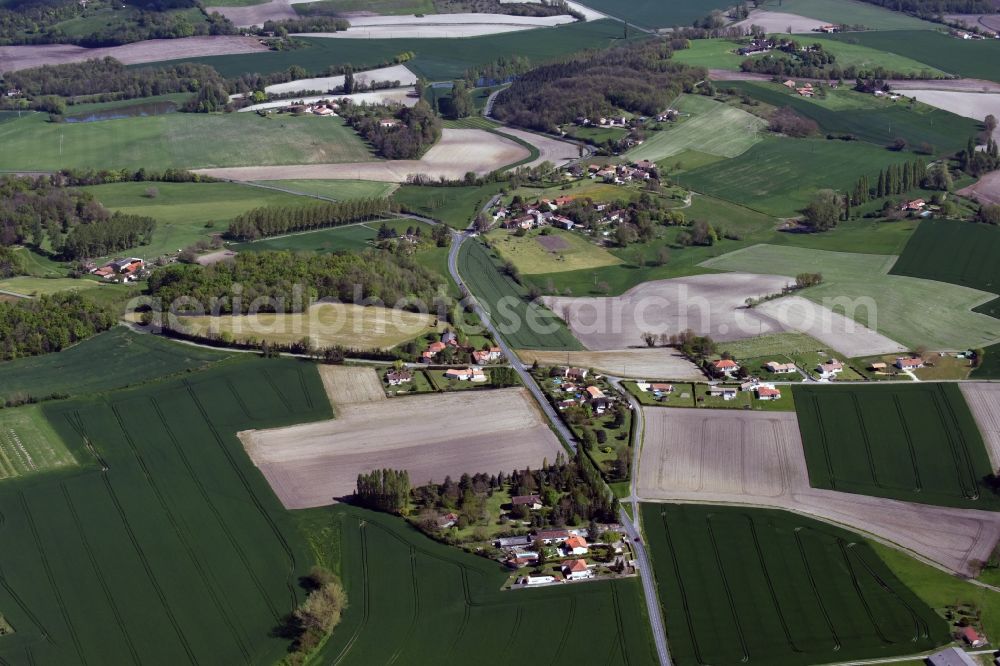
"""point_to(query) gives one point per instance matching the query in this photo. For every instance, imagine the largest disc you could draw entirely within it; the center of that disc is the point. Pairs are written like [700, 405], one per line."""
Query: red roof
[725, 363]
[970, 634]
[576, 542]
[764, 391]
[576, 566]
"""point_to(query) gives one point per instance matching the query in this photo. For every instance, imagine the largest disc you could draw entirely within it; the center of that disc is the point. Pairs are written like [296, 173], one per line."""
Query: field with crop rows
[28, 444]
[524, 325]
[779, 176]
[977, 59]
[955, 252]
[757, 586]
[413, 600]
[167, 547]
[917, 443]
[111, 360]
[876, 122]
[850, 12]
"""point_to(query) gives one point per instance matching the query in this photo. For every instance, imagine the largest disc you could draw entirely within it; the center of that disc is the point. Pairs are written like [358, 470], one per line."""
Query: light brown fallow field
[756, 458]
[647, 363]
[431, 436]
[984, 403]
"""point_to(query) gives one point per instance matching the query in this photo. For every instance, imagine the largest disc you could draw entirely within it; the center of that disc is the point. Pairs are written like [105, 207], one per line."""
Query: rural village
[421, 331]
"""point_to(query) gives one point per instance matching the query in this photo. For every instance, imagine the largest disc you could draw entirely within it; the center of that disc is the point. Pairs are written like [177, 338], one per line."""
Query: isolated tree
[348, 79]
[461, 100]
[663, 255]
[649, 338]
[823, 211]
[990, 124]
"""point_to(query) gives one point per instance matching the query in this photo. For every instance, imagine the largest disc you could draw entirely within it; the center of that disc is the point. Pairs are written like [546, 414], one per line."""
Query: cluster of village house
[545, 212]
[522, 551]
[623, 121]
[475, 373]
[568, 382]
[120, 270]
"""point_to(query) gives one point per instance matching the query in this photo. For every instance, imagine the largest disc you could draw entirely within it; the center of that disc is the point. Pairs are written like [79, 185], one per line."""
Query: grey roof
[951, 657]
[507, 542]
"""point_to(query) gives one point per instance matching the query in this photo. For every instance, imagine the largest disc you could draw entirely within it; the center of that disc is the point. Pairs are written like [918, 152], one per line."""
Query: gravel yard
[431, 436]
[756, 458]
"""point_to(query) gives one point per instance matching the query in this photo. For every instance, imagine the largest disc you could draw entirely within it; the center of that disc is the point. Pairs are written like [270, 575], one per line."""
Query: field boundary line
[274, 387]
[119, 618]
[728, 588]
[815, 590]
[74, 637]
[960, 448]
[866, 439]
[20, 603]
[179, 532]
[619, 624]
[365, 596]
[415, 584]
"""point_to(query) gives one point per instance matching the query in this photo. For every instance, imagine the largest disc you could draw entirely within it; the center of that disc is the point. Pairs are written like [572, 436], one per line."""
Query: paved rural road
[648, 582]
[642, 558]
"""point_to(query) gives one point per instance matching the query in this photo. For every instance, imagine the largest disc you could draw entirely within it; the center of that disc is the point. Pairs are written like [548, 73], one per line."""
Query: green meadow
[977, 59]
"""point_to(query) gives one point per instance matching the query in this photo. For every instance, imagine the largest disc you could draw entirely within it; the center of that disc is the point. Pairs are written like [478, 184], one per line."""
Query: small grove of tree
[316, 617]
[503, 377]
[694, 346]
[384, 490]
[417, 128]
[11, 263]
[461, 100]
[989, 213]
[899, 178]
[788, 122]
[803, 280]
[823, 212]
[977, 162]
[278, 220]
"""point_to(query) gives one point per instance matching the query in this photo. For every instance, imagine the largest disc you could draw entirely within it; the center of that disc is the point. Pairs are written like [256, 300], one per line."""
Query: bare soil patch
[960, 85]
[552, 243]
[351, 385]
[984, 403]
[834, 330]
[987, 21]
[779, 22]
[154, 50]
[756, 458]
[439, 25]
[635, 363]
[552, 150]
[244, 17]
[975, 105]
[727, 75]
[395, 73]
[431, 436]
[709, 304]
[215, 257]
[386, 96]
[458, 152]
[986, 190]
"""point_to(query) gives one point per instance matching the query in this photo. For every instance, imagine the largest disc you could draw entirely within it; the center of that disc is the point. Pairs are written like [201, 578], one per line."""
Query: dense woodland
[110, 78]
[287, 282]
[639, 78]
[37, 21]
[813, 62]
[418, 128]
[71, 222]
[540, 8]
[277, 220]
[10, 263]
[48, 324]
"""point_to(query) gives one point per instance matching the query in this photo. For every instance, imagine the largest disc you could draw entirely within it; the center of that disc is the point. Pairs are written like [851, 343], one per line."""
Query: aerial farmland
[487, 331]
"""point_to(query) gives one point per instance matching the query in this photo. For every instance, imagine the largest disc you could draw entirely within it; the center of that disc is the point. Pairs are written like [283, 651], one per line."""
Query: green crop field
[28, 444]
[721, 54]
[188, 212]
[40, 286]
[912, 311]
[778, 176]
[758, 586]
[656, 13]
[415, 601]
[167, 546]
[523, 325]
[350, 238]
[850, 12]
[455, 206]
[177, 140]
[989, 368]
[713, 127]
[955, 252]
[875, 121]
[336, 189]
[574, 252]
[978, 59]
[917, 443]
[114, 359]
[436, 59]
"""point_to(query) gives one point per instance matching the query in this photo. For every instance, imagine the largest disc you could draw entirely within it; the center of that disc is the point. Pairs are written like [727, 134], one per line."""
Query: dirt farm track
[431, 436]
[756, 458]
